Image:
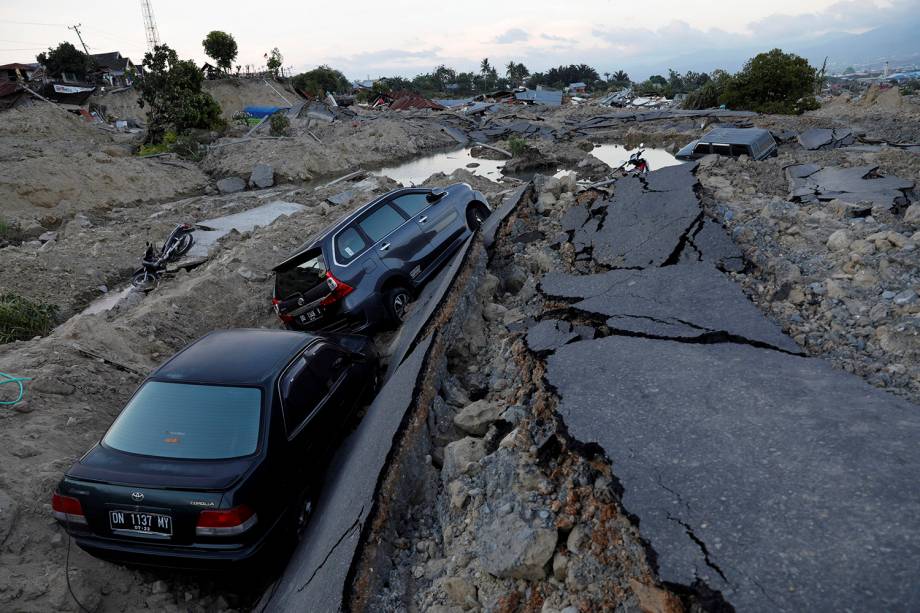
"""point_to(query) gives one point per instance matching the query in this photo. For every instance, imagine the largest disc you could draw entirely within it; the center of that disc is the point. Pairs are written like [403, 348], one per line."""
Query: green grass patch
[21, 319]
[517, 145]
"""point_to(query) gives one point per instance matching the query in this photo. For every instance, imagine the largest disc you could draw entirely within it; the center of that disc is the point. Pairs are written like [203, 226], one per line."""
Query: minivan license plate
[153, 524]
[312, 315]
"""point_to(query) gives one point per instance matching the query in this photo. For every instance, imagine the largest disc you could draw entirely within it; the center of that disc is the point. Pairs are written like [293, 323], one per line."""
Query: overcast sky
[379, 38]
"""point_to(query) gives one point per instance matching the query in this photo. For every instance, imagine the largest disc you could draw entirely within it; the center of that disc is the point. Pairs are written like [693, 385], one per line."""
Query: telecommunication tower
[150, 26]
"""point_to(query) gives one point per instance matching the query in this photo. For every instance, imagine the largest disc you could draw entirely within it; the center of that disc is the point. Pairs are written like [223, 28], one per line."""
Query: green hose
[5, 378]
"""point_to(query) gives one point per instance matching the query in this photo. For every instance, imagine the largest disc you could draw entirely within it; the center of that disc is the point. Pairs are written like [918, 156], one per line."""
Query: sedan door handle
[423, 219]
[384, 246]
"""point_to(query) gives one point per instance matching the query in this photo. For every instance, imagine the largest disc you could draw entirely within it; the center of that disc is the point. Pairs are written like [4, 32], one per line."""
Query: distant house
[365, 85]
[117, 70]
[546, 97]
[21, 73]
[578, 88]
[210, 72]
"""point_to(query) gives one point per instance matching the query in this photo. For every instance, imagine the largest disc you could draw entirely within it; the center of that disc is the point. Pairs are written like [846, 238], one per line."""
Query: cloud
[558, 39]
[514, 35]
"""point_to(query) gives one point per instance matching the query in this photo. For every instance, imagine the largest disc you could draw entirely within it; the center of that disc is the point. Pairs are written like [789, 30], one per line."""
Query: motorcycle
[153, 265]
[636, 165]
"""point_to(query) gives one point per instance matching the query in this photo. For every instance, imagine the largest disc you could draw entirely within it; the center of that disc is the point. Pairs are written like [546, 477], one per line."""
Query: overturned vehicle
[756, 143]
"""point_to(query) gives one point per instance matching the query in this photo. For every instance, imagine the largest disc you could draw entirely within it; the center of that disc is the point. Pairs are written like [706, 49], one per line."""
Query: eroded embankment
[487, 502]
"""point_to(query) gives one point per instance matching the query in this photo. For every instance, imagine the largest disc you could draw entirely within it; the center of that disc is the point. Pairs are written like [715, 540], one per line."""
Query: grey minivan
[756, 143]
[363, 271]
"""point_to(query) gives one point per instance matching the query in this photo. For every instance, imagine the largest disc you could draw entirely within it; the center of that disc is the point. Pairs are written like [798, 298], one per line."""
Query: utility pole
[76, 29]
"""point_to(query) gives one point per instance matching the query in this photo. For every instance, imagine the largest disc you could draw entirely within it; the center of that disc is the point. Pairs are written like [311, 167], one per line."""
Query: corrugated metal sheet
[547, 97]
[414, 101]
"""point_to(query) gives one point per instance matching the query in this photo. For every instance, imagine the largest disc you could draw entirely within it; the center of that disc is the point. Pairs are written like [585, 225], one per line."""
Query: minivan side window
[740, 150]
[721, 149]
[412, 204]
[301, 392]
[349, 244]
[381, 222]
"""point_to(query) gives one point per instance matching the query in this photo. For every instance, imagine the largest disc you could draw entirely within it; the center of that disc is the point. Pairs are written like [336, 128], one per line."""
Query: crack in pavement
[357, 525]
[702, 545]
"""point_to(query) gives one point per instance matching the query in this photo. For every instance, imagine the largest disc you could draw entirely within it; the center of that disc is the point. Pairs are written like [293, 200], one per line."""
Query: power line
[76, 28]
[34, 23]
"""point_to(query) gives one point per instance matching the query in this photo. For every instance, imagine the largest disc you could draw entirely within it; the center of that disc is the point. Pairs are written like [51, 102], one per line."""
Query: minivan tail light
[226, 522]
[67, 509]
[339, 289]
[284, 316]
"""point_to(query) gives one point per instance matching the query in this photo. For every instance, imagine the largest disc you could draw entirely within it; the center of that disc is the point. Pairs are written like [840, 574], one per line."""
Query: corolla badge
[137, 496]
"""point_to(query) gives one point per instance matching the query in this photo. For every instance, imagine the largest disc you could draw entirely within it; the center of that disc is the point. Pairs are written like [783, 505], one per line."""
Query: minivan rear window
[196, 422]
[301, 276]
[349, 244]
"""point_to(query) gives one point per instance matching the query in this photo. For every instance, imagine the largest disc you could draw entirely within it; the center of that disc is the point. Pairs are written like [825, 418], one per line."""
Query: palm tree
[620, 76]
[607, 76]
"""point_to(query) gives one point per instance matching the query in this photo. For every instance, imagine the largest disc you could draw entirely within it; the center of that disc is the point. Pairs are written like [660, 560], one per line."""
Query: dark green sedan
[219, 451]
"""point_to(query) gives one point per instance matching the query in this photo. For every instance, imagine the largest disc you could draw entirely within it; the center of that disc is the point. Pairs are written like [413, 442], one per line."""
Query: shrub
[517, 145]
[22, 319]
[280, 124]
[773, 82]
[320, 80]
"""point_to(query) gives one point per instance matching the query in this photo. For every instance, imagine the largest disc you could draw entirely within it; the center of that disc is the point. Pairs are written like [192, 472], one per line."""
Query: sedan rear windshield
[179, 420]
[300, 277]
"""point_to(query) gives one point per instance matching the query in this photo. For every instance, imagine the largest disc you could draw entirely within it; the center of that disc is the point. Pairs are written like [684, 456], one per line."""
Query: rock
[906, 297]
[231, 185]
[159, 587]
[494, 311]
[48, 237]
[460, 591]
[839, 240]
[653, 599]
[476, 418]
[53, 386]
[575, 538]
[843, 209]
[459, 454]
[912, 214]
[8, 510]
[511, 547]
[262, 176]
[560, 566]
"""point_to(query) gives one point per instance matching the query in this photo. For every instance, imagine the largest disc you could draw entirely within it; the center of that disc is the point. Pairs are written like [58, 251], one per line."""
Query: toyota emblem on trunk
[137, 496]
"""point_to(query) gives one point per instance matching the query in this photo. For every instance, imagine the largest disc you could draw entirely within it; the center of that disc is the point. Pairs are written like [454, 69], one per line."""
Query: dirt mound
[234, 94]
[878, 99]
[121, 105]
[55, 165]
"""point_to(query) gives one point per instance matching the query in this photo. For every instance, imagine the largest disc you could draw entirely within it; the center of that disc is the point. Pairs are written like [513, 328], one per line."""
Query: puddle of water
[418, 171]
[615, 155]
[241, 222]
[107, 302]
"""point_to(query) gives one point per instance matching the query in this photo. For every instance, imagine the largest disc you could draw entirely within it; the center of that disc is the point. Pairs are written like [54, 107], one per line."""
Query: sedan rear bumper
[198, 556]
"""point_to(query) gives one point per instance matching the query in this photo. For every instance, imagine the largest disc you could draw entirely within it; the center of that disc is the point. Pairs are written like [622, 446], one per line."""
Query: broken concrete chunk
[856, 184]
[231, 185]
[824, 138]
[262, 176]
[459, 454]
[341, 198]
[511, 547]
[712, 244]
[690, 301]
[476, 418]
[549, 334]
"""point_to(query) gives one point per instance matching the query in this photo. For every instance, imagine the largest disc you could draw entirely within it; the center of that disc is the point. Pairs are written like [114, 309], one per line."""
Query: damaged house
[115, 69]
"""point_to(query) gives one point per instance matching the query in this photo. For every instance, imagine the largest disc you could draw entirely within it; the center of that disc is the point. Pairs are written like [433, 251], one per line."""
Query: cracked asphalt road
[773, 478]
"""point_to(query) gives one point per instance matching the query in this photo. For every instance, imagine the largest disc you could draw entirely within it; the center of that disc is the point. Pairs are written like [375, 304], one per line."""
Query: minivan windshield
[180, 420]
[301, 277]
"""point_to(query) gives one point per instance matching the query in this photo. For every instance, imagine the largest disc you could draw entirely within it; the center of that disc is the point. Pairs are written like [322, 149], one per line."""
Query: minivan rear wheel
[397, 304]
[476, 215]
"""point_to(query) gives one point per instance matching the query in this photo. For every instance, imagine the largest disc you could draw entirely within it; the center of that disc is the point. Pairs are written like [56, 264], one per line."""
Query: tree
[221, 47]
[321, 80]
[516, 73]
[66, 58]
[620, 78]
[849, 70]
[273, 61]
[773, 82]
[171, 91]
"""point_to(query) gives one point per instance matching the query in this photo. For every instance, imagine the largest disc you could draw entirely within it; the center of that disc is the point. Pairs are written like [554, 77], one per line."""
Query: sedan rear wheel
[476, 215]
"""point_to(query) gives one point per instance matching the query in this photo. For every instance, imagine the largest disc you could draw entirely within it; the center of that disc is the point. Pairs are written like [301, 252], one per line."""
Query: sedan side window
[722, 149]
[412, 204]
[301, 393]
[328, 364]
[381, 222]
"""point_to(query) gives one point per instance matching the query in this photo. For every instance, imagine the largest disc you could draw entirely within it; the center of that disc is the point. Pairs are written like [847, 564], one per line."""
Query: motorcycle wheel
[144, 281]
[184, 244]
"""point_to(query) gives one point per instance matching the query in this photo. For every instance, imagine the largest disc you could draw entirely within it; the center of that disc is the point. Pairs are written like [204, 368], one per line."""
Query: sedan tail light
[67, 509]
[226, 523]
[339, 289]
